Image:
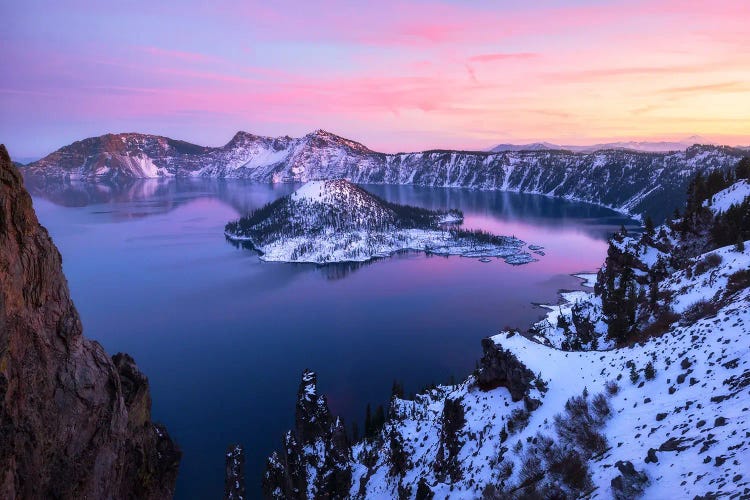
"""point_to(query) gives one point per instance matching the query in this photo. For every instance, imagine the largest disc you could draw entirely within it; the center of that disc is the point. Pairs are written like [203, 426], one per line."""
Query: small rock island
[332, 221]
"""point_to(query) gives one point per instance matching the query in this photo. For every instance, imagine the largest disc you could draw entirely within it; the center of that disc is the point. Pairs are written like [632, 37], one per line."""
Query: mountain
[337, 221]
[536, 146]
[74, 422]
[637, 389]
[643, 146]
[628, 181]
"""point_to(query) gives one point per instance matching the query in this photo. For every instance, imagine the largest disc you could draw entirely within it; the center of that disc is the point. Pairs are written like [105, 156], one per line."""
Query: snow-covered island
[336, 221]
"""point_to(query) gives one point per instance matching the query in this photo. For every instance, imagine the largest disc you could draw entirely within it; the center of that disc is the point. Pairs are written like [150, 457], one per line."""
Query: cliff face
[74, 423]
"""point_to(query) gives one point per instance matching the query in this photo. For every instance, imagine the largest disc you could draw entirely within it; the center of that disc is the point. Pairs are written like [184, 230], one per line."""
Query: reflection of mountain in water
[143, 197]
[538, 210]
[156, 196]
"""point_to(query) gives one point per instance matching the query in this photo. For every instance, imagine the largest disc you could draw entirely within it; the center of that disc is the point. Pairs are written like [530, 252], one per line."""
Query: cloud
[503, 56]
[735, 86]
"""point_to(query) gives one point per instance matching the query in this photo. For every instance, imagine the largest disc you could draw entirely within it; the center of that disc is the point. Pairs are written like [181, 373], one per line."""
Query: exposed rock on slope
[336, 221]
[631, 181]
[73, 422]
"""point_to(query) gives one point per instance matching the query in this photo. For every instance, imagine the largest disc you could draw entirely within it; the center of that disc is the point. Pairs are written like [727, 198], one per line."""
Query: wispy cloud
[503, 56]
[711, 87]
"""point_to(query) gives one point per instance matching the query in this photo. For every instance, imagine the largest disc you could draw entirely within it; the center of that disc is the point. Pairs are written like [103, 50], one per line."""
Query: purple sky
[396, 76]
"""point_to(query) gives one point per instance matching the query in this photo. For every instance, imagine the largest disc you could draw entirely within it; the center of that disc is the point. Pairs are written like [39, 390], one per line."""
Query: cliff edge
[74, 422]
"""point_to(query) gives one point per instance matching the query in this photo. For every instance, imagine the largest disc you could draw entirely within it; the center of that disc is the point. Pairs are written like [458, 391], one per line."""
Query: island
[331, 221]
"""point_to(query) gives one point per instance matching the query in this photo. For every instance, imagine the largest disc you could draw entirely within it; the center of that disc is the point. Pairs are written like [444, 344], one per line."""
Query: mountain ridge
[631, 182]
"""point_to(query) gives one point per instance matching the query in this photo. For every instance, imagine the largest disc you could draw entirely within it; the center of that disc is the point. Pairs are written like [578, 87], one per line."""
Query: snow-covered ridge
[733, 195]
[629, 181]
[571, 408]
[335, 221]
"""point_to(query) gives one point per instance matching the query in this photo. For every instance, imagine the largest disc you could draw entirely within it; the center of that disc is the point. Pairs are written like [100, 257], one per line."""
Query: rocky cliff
[630, 181]
[74, 422]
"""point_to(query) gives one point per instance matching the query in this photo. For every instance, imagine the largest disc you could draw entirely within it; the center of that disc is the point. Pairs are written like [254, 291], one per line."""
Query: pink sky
[396, 76]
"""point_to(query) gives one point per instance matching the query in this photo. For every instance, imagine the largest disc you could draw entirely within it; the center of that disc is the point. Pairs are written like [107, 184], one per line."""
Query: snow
[699, 376]
[733, 195]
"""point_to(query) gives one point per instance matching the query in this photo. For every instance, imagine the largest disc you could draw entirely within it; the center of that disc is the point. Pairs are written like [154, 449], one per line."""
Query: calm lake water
[224, 337]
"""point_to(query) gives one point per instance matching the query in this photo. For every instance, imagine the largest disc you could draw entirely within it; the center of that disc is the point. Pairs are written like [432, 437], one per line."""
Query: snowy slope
[664, 414]
[733, 195]
[692, 415]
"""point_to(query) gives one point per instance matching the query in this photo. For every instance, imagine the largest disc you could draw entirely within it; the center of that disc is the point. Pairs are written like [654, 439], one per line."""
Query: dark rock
[424, 492]
[234, 477]
[531, 404]
[74, 423]
[673, 444]
[660, 416]
[720, 421]
[318, 449]
[312, 418]
[500, 368]
[630, 483]
[651, 457]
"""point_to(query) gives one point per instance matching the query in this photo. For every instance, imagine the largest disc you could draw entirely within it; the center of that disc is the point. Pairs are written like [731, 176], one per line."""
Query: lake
[223, 337]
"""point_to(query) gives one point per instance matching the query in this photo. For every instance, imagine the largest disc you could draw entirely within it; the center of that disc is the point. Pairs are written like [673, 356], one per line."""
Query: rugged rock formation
[500, 368]
[234, 478]
[73, 422]
[632, 181]
[315, 461]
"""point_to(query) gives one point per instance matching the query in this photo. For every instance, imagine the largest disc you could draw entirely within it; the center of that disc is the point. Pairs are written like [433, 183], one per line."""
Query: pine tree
[633, 374]
[355, 432]
[649, 372]
[649, 229]
[368, 422]
[740, 245]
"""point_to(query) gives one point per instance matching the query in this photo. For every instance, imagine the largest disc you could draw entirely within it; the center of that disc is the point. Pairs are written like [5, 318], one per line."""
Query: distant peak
[323, 133]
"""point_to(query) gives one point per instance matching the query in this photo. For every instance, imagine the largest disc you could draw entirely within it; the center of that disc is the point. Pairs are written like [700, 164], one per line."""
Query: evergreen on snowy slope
[336, 221]
[661, 411]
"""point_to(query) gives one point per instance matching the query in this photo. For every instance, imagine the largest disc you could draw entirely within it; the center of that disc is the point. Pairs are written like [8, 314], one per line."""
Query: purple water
[224, 337]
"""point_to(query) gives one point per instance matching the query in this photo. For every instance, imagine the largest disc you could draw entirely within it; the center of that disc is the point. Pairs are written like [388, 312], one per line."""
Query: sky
[394, 75]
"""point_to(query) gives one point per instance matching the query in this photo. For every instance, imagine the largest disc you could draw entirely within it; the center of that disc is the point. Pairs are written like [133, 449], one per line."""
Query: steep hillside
[639, 388]
[337, 221]
[74, 423]
[630, 181]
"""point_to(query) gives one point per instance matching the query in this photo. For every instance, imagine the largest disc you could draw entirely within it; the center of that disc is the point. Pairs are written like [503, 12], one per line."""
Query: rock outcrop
[630, 484]
[73, 422]
[500, 368]
[315, 461]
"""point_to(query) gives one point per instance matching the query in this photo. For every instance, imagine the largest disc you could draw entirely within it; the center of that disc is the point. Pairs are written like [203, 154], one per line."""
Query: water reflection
[157, 196]
[224, 336]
